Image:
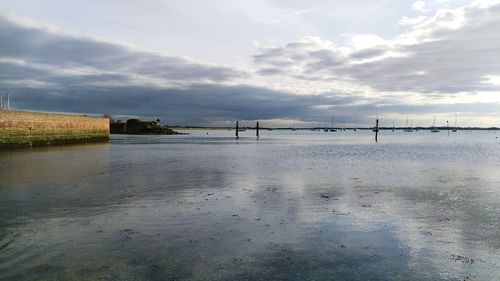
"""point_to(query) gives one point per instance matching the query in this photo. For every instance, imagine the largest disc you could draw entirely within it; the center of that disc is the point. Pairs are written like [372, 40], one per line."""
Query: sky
[282, 62]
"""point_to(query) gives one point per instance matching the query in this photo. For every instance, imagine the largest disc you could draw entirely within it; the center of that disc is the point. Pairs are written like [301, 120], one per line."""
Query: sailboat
[5, 104]
[355, 125]
[434, 129]
[407, 129]
[331, 128]
[325, 127]
[456, 128]
[393, 126]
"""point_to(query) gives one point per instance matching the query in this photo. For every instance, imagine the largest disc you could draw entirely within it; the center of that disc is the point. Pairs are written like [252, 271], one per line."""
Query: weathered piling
[237, 130]
[257, 130]
[376, 130]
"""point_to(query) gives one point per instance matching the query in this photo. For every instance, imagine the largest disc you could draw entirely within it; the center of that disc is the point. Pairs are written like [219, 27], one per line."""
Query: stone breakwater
[25, 129]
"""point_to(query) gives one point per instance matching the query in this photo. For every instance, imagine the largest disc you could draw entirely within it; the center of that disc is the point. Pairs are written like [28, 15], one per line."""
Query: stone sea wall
[25, 129]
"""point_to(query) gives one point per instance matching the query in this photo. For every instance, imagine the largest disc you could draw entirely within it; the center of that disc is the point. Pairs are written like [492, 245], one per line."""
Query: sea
[291, 205]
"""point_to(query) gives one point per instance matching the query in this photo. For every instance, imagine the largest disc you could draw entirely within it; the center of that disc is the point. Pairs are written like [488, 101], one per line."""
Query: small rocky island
[139, 127]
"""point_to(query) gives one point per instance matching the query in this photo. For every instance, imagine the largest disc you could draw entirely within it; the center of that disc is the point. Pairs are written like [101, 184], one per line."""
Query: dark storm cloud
[42, 46]
[12, 71]
[198, 104]
[452, 52]
[368, 53]
[306, 54]
[45, 69]
[49, 70]
[207, 104]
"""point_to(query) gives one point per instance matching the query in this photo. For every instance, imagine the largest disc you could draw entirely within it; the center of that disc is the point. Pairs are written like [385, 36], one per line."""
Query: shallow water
[292, 206]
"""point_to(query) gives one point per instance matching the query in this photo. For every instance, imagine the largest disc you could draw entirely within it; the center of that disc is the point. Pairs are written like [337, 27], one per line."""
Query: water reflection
[190, 208]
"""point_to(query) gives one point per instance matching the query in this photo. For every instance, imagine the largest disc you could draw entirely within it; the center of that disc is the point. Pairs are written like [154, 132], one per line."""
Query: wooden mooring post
[376, 131]
[30, 138]
[257, 130]
[237, 130]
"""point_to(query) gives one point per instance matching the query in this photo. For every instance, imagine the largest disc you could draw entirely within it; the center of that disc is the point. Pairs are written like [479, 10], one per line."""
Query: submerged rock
[463, 259]
[426, 232]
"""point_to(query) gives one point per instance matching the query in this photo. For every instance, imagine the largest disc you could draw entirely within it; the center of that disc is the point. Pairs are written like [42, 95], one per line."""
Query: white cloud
[486, 3]
[302, 12]
[362, 41]
[492, 79]
[419, 6]
[445, 54]
[406, 21]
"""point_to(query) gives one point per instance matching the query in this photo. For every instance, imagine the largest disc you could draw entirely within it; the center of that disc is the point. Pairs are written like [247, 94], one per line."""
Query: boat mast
[455, 129]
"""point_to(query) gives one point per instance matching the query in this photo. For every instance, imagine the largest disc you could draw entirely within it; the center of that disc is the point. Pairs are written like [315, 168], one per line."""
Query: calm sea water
[292, 206]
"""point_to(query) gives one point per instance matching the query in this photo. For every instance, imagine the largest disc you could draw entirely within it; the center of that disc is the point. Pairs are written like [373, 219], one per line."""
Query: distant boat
[408, 129]
[434, 129]
[242, 130]
[5, 104]
[331, 127]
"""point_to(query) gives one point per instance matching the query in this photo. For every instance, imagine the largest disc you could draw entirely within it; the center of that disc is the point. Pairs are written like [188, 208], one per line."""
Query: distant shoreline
[338, 128]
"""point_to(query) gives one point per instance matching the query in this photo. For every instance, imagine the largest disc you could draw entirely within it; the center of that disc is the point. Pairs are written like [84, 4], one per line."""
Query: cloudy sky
[210, 62]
